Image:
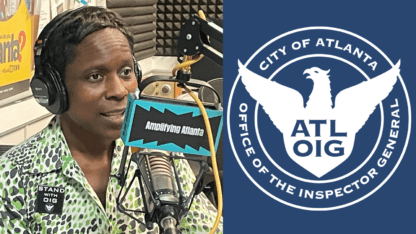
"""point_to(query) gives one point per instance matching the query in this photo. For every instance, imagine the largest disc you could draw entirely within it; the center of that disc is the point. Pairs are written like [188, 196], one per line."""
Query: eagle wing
[281, 103]
[354, 105]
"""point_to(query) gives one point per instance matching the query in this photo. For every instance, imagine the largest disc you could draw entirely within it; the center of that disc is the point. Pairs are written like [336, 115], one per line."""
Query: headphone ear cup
[40, 90]
[57, 94]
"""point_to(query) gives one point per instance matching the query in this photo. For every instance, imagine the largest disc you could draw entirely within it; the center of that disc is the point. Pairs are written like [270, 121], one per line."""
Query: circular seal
[319, 118]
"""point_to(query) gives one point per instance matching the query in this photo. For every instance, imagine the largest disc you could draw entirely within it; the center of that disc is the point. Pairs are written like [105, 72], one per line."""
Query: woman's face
[98, 82]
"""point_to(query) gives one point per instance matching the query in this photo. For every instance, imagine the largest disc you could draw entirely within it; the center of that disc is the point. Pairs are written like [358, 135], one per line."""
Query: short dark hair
[60, 48]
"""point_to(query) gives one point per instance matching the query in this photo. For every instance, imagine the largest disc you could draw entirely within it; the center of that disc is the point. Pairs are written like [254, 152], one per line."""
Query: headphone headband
[47, 86]
[40, 43]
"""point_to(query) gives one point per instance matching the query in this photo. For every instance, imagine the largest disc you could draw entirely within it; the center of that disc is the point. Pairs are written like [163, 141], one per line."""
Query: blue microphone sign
[322, 119]
[169, 126]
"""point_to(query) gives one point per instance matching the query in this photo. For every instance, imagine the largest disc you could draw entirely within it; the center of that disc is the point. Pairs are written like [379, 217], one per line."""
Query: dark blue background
[388, 25]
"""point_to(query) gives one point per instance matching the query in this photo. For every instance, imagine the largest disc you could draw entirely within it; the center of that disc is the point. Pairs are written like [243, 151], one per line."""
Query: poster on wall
[18, 22]
[21, 21]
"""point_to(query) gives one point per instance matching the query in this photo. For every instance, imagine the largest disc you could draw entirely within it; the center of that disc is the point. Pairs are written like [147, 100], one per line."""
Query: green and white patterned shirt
[45, 160]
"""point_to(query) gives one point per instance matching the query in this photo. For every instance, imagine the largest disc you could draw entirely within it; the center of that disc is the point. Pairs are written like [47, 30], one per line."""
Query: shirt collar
[51, 153]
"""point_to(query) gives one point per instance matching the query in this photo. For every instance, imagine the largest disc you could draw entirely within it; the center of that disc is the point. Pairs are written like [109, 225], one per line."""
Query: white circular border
[312, 208]
[300, 178]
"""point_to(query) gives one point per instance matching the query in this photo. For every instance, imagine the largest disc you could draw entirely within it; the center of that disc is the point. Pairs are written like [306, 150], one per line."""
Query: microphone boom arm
[193, 38]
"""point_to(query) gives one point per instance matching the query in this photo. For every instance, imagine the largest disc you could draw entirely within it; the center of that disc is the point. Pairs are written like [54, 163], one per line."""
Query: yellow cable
[202, 15]
[213, 157]
[186, 64]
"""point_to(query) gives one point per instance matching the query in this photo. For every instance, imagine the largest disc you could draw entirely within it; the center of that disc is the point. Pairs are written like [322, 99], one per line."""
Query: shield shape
[318, 146]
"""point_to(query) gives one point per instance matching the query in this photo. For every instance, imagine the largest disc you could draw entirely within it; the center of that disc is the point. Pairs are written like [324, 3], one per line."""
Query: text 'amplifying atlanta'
[170, 128]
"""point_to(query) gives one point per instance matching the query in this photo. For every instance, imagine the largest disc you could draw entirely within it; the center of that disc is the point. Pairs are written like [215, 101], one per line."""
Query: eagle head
[316, 73]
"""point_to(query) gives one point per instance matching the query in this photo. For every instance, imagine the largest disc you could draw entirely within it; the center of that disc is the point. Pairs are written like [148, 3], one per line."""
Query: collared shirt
[44, 162]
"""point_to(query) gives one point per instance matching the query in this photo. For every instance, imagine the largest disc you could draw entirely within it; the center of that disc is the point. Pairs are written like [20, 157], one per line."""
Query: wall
[21, 117]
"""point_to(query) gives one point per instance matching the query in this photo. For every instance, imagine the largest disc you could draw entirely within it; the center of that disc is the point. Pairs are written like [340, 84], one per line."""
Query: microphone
[163, 184]
[157, 126]
[164, 201]
[163, 180]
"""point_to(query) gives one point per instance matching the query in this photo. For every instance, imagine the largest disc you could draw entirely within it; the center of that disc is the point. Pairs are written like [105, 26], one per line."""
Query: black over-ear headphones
[47, 86]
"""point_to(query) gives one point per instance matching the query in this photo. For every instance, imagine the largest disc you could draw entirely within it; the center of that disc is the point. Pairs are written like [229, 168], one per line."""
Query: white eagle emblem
[319, 137]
